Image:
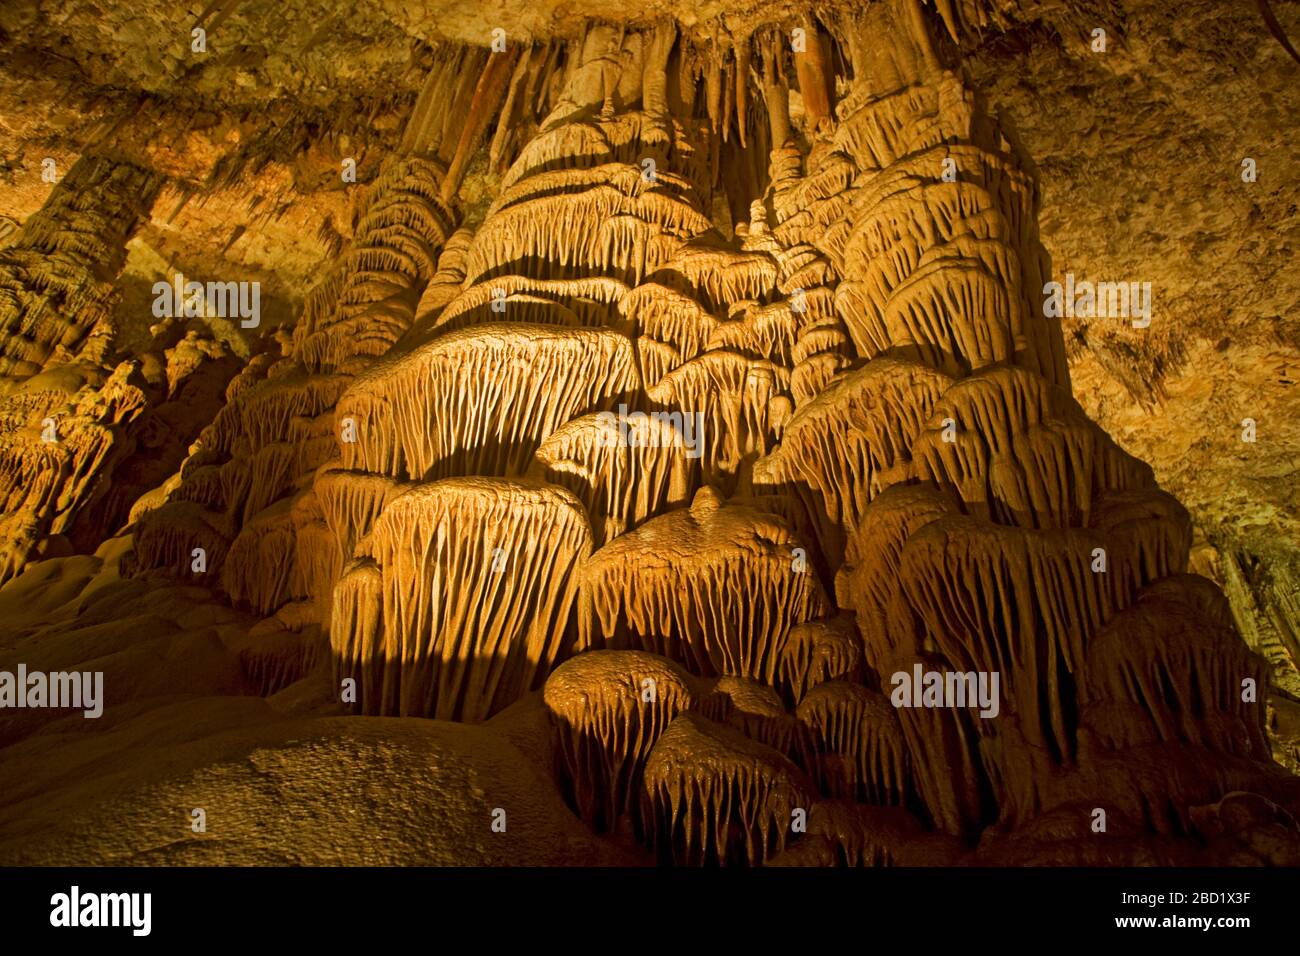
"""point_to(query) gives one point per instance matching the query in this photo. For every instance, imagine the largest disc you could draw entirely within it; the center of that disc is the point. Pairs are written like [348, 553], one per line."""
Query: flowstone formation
[728, 428]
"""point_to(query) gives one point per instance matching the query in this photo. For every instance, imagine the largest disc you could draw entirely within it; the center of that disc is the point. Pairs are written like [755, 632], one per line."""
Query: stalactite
[1022, 452]
[741, 402]
[488, 94]
[815, 80]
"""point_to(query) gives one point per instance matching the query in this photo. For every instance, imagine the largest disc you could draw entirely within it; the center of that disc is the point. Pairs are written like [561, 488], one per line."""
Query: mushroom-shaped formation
[607, 218]
[351, 501]
[591, 302]
[852, 745]
[752, 708]
[671, 327]
[468, 402]
[258, 570]
[819, 651]
[715, 587]
[1024, 604]
[845, 446]
[609, 708]
[281, 649]
[184, 538]
[719, 275]
[625, 469]
[477, 583]
[740, 403]
[715, 797]
[1020, 451]
[1170, 667]
[872, 583]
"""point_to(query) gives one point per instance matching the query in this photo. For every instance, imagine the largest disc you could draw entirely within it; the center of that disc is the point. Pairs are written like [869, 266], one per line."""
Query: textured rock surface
[632, 409]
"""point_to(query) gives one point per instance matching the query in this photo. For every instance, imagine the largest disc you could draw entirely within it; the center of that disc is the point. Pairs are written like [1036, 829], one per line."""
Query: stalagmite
[56, 272]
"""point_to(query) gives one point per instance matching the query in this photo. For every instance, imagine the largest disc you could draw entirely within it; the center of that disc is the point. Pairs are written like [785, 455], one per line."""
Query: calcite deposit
[653, 436]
